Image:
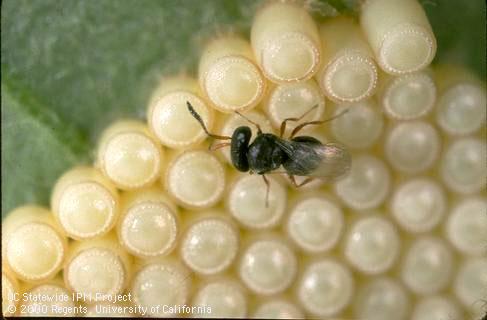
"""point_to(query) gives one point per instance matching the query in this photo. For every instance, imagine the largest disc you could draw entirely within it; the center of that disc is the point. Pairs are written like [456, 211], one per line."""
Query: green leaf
[69, 68]
[459, 27]
[36, 148]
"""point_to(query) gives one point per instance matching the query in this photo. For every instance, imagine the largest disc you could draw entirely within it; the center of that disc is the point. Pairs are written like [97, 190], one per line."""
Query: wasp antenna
[339, 115]
[284, 122]
[268, 186]
[259, 130]
[218, 146]
[307, 112]
[301, 126]
[198, 118]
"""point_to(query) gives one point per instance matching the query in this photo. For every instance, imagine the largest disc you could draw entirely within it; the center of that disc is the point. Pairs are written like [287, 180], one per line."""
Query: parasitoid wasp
[298, 155]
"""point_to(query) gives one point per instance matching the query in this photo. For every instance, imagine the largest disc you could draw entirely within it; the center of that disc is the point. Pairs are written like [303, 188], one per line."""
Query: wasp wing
[335, 161]
[326, 161]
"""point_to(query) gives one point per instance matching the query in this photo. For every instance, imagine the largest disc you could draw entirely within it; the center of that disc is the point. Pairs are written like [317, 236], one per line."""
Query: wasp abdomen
[239, 147]
[304, 160]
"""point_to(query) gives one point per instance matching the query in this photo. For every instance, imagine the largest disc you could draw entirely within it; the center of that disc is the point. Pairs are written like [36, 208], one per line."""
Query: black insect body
[309, 157]
[239, 148]
[303, 158]
[299, 156]
[264, 154]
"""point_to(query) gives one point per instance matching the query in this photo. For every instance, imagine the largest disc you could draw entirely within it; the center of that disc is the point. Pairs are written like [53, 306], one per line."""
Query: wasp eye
[233, 121]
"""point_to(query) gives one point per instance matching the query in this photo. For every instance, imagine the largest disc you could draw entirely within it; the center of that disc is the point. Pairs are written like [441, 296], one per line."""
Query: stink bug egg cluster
[314, 167]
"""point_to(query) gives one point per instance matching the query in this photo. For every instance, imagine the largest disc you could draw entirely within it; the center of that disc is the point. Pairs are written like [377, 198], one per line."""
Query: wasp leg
[213, 147]
[268, 186]
[295, 184]
[302, 125]
[284, 122]
[277, 172]
[259, 130]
